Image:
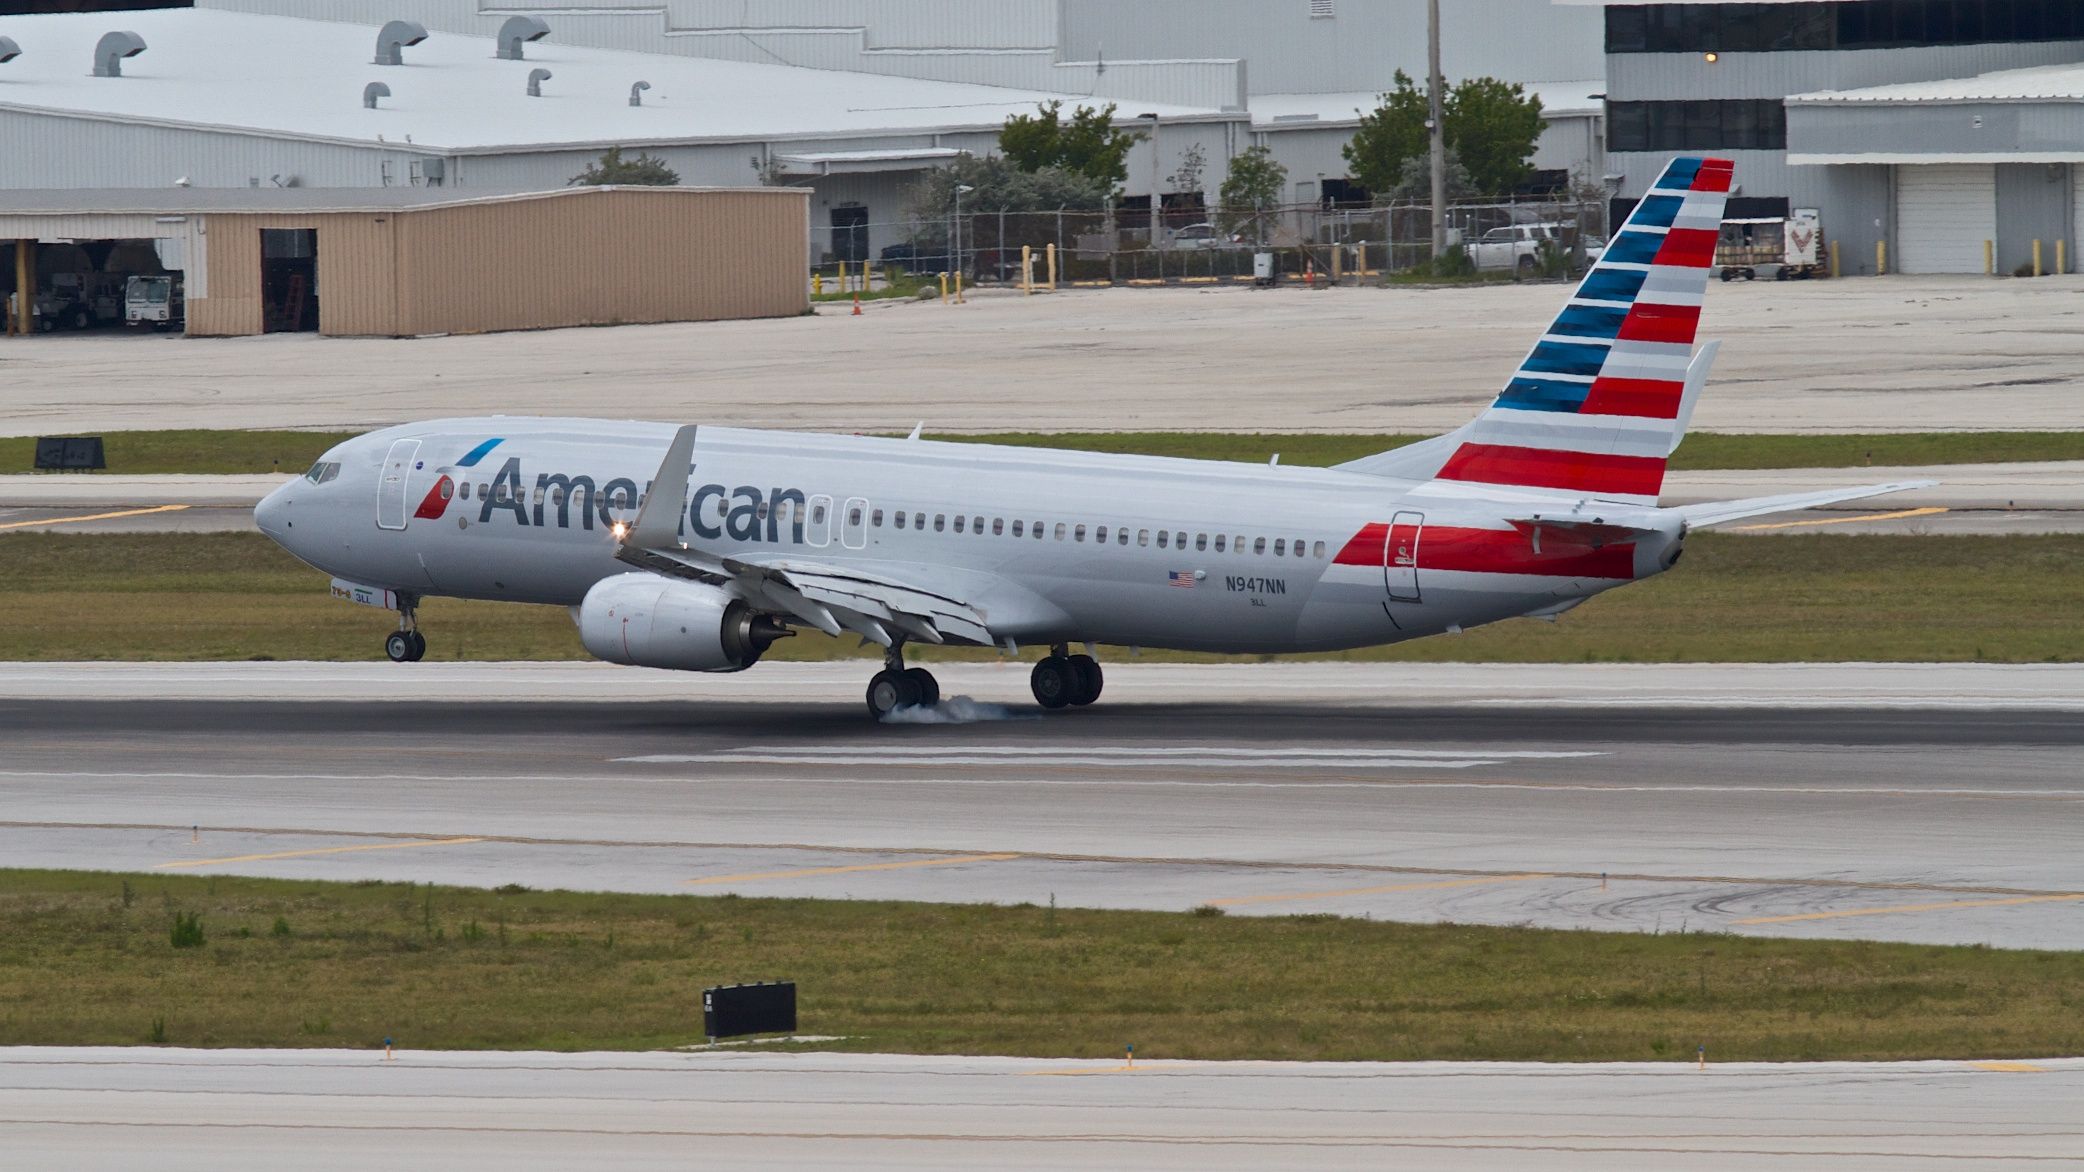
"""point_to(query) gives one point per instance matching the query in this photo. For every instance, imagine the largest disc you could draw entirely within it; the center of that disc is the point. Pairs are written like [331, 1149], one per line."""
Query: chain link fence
[1203, 244]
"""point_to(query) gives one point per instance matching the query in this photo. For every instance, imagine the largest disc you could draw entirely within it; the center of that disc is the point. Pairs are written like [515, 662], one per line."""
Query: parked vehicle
[76, 301]
[917, 258]
[157, 302]
[1517, 247]
[1792, 248]
[1203, 236]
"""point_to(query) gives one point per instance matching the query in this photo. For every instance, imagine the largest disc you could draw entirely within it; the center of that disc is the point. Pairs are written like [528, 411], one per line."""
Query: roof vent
[373, 91]
[536, 78]
[394, 36]
[518, 31]
[637, 93]
[8, 50]
[110, 51]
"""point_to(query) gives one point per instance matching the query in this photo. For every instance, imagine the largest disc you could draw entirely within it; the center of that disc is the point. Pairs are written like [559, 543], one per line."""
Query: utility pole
[1154, 178]
[1435, 84]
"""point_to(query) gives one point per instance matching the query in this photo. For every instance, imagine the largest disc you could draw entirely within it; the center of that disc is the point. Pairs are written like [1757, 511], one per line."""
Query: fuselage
[1048, 546]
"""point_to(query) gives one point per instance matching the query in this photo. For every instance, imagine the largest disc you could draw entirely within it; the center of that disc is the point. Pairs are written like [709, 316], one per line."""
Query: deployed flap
[1719, 512]
[873, 599]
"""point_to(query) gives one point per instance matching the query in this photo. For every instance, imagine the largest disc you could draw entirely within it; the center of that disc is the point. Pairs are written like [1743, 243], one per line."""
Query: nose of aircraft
[271, 515]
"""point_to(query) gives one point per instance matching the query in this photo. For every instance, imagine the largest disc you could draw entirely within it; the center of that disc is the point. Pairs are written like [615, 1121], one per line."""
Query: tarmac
[1932, 804]
[203, 1110]
[1846, 356]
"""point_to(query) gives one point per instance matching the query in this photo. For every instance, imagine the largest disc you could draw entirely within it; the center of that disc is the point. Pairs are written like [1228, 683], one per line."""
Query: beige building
[407, 261]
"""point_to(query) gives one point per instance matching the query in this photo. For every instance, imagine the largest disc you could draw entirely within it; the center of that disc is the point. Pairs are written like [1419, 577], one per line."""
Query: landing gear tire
[889, 691]
[1054, 682]
[399, 646]
[1086, 679]
[929, 688]
[419, 646]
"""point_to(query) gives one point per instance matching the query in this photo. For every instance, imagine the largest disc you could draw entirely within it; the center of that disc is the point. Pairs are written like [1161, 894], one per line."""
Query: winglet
[658, 521]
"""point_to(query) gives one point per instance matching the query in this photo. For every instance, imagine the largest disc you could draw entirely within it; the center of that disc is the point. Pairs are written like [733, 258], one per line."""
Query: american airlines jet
[696, 548]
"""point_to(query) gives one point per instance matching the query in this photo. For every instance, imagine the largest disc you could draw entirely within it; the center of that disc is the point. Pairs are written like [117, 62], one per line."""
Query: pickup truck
[1516, 247]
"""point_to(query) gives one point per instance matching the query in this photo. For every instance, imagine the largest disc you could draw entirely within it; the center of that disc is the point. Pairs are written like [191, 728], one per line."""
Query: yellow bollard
[958, 288]
[2036, 258]
[1881, 258]
[2062, 256]
[1027, 268]
[817, 284]
[1834, 260]
[1338, 264]
[1050, 251]
[1989, 258]
[944, 288]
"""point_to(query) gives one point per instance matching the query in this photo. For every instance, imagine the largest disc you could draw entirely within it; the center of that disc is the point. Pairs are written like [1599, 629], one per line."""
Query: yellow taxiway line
[1236, 901]
[324, 850]
[94, 517]
[1927, 511]
[809, 872]
[2010, 1067]
[1909, 907]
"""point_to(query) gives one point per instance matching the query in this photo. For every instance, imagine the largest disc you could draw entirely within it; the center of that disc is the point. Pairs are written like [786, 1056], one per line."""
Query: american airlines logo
[743, 513]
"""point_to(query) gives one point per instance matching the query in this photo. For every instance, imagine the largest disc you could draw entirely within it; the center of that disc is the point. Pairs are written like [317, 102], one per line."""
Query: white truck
[1517, 247]
[154, 302]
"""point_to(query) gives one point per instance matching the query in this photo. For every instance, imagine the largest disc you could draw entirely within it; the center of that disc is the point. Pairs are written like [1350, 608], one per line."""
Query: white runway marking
[1152, 757]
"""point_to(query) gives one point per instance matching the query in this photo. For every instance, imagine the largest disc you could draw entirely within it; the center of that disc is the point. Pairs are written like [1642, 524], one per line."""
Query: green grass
[898, 286]
[1804, 598]
[90, 961]
[219, 452]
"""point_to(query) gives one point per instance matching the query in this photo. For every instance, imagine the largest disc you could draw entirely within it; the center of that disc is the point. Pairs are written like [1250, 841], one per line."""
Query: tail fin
[1594, 408]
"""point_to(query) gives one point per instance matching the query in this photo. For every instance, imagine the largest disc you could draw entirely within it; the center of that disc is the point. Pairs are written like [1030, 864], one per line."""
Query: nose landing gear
[406, 644]
[1066, 680]
[898, 686]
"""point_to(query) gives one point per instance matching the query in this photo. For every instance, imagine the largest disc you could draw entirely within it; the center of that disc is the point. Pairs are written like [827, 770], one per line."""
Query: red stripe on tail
[1555, 468]
[1692, 248]
[1660, 323]
[1714, 174]
[1644, 398]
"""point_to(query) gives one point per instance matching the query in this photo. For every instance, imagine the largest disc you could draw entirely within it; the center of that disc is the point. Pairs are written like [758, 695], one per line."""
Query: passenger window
[1143, 537]
[1237, 544]
[1121, 537]
[556, 496]
[1059, 530]
[940, 522]
[1298, 547]
[918, 520]
[1016, 529]
[1317, 551]
[817, 514]
[1280, 547]
[1038, 530]
[900, 519]
[759, 510]
[854, 516]
[1078, 534]
[977, 526]
[1219, 543]
[466, 490]
[876, 518]
[958, 522]
[1100, 534]
[1259, 545]
[998, 526]
[1162, 535]
[1200, 542]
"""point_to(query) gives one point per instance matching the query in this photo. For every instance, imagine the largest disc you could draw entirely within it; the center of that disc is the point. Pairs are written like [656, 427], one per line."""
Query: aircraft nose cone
[271, 515]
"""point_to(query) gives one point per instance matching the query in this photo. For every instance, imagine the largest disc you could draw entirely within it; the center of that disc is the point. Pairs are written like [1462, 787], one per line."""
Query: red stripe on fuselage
[1692, 248]
[1660, 323]
[1495, 551]
[1555, 468]
[1644, 398]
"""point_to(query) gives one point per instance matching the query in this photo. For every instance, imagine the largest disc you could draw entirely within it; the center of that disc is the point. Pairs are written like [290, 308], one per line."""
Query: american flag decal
[1183, 579]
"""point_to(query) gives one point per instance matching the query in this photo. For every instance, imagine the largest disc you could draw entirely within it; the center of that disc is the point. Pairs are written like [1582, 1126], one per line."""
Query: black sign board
[69, 453]
[767, 1008]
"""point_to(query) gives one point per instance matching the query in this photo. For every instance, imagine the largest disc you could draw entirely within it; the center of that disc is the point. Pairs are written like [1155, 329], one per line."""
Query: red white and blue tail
[1594, 408]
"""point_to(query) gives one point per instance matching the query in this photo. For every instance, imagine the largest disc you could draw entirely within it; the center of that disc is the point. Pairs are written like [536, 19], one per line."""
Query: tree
[997, 185]
[1193, 164]
[1255, 181]
[1492, 125]
[612, 169]
[1088, 144]
[1416, 182]
[1389, 136]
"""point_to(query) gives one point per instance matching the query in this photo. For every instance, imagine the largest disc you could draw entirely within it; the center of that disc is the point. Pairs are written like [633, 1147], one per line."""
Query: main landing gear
[898, 686]
[406, 644]
[1065, 679]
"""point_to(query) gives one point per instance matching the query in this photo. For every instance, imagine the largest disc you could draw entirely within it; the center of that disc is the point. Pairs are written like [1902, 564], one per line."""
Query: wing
[831, 598]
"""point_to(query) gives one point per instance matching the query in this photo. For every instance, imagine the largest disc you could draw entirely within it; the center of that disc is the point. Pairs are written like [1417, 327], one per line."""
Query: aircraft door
[853, 531]
[1400, 556]
[391, 484]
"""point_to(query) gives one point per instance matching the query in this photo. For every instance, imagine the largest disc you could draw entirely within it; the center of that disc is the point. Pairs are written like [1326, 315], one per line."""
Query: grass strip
[1795, 598]
[234, 452]
[91, 961]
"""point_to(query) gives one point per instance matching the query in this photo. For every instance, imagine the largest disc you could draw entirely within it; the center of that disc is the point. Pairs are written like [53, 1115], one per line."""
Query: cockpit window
[323, 471]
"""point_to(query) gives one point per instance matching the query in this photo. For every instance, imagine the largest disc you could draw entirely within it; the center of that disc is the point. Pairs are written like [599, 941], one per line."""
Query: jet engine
[650, 621]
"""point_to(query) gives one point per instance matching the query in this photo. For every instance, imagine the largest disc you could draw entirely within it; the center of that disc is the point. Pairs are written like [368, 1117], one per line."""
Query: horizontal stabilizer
[1714, 513]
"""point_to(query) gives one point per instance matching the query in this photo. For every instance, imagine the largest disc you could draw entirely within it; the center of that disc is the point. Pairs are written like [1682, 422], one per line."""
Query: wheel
[80, 319]
[1054, 681]
[419, 647]
[1728, 275]
[1085, 674]
[928, 687]
[889, 691]
[1526, 266]
[399, 645]
[1780, 274]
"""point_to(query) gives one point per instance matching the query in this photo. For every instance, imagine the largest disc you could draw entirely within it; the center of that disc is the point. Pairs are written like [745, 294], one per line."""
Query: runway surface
[1934, 804]
[204, 1110]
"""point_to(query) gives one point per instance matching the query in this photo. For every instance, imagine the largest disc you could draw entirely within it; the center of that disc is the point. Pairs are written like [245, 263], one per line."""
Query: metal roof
[2045, 83]
[304, 79]
[1308, 111]
[183, 201]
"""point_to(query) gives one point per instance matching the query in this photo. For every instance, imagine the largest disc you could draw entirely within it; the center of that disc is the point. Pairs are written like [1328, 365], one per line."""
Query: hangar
[404, 261]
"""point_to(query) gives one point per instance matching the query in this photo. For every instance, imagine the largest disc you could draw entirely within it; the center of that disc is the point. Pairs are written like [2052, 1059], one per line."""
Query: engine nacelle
[649, 621]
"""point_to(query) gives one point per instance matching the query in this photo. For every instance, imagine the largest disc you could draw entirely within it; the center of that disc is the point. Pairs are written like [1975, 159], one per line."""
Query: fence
[1196, 244]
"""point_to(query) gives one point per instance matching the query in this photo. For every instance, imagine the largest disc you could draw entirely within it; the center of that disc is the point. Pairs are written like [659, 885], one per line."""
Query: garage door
[1943, 215]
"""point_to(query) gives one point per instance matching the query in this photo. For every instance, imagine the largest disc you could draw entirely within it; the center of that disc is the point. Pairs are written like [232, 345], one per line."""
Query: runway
[1921, 804]
[203, 1110]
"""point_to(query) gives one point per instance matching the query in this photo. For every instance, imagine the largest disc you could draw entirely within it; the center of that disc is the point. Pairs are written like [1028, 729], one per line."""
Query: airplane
[696, 548]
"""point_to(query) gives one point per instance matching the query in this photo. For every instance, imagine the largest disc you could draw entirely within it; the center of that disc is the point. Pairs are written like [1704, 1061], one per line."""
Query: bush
[187, 931]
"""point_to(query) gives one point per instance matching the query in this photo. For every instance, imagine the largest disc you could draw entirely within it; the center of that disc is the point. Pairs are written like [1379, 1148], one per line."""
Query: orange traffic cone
[1310, 273]
[857, 305]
